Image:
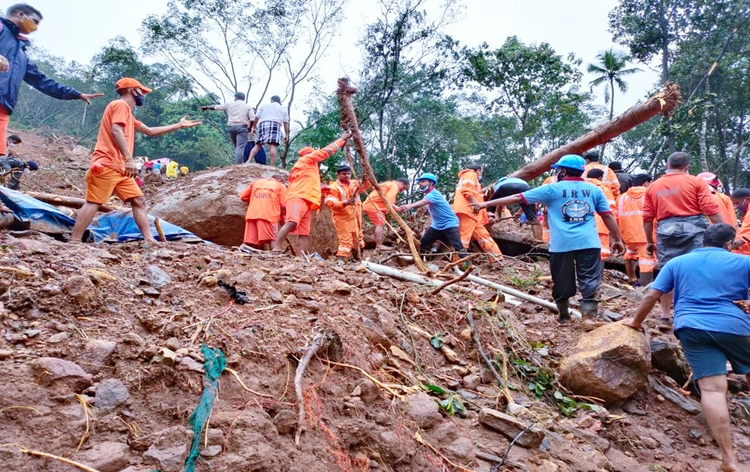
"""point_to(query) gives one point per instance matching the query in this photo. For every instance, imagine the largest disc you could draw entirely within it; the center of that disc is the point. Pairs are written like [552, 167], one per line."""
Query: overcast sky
[77, 29]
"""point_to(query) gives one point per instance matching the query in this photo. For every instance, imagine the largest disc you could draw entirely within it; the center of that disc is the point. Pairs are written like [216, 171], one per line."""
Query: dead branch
[321, 339]
[61, 200]
[452, 281]
[458, 263]
[663, 103]
[159, 230]
[349, 117]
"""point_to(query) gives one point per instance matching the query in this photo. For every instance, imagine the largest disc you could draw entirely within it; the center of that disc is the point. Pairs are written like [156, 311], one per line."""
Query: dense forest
[426, 102]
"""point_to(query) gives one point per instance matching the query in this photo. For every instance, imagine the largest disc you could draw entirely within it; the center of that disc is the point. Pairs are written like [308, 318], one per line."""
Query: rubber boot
[536, 232]
[562, 309]
[589, 308]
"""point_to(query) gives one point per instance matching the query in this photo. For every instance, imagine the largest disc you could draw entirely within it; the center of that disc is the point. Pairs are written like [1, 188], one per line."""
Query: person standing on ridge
[113, 168]
[575, 249]
[240, 117]
[15, 66]
[472, 225]
[303, 196]
[267, 126]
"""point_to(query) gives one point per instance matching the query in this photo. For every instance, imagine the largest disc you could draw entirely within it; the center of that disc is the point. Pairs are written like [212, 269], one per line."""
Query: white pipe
[516, 293]
[409, 277]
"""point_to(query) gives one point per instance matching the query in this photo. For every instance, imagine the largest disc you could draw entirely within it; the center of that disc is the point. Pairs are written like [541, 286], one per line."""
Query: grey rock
[275, 296]
[150, 291]
[668, 358]
[157, 277]
[133, 338]
[423, 410]
[61, 375]
[169, 448]
[32, 333]
[285, 421]
[211, 451]
[96, 355]
[695, 434]
[190, 364]
[509, 427]
[108, 456]
[633, 409]
[687, 404]
[741, 412]
[59, 337]
[110, 394]
[461, 449]
[472, 381]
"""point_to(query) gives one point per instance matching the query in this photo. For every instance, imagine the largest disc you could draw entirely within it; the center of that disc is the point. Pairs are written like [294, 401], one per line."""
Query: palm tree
[611, 67]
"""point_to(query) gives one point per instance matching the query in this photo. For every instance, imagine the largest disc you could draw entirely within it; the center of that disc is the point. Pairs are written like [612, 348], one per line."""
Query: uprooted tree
[663, 103]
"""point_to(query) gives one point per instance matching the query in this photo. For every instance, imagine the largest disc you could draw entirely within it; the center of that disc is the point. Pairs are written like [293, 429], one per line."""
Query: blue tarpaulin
[113, 226]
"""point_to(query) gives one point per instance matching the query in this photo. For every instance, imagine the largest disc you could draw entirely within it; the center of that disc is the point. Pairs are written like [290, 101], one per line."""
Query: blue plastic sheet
[113, 226]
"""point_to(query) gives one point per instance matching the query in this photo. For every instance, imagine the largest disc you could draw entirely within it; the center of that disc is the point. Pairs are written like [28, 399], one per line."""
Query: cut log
[61, 200]
[349, 118]
[663, 103]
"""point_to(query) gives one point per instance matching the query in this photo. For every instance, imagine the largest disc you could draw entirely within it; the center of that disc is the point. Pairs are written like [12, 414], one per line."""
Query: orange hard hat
[129, 82]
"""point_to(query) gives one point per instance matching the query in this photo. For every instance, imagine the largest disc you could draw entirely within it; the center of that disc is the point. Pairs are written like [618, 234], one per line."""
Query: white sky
[77, 29]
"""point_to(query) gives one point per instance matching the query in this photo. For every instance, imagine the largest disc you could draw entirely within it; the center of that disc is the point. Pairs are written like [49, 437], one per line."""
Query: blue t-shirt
[508, 180]
[440, 210]
[705, 283]
[571, 205]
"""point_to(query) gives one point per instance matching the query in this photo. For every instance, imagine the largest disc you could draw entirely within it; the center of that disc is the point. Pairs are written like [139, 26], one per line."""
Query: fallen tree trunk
[61, 200]
[349, 118]
[409, 277]
[663, 103]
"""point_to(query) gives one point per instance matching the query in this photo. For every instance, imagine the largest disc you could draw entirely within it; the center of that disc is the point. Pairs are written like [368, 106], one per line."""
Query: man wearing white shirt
[239, 118]
[267, 126]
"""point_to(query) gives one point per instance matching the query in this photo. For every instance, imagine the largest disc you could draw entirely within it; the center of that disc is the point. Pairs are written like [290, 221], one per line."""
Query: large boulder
[208, 204]
[667, 357]
[611, 363]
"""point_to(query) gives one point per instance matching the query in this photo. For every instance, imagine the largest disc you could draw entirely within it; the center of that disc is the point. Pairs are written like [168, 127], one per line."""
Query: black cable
[496, 467]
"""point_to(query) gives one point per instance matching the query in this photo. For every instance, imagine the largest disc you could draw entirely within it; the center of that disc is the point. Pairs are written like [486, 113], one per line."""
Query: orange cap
[129, 82]
[305, 150]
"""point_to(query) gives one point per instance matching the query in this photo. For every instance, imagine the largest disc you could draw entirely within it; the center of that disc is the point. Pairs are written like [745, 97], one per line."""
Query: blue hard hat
[571, 161]
[428, 176]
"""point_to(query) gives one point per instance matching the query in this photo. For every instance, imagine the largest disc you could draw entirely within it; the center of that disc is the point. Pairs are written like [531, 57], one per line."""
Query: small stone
[61, 375]
[5, 354]
[211, 451]
[285, 421]
[151, 291]
[110, 394]
[586, 422]
[461, 449]
[81, 288]
[165, 356]
[649, 442]
[190, 364]
[133, 338]
[509, 427]
[466, 334]
[471, 382]
[169, 448]
[32, 333]
[108, 456]
[423, 410]
[59, 337]
[173, 344]
[34, 314]
[547, 466]
[210, 281]
[96, 355]
[275, 296]
[157, 277]
[695, 434]
[660, 399]
[633, 409]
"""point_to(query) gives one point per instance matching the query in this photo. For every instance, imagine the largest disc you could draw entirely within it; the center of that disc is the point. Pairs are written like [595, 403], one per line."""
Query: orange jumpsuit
[727, 208]
[375, 208]
[630, 220]
[345, 217]
[471, 225]
[265, 198]
[744, 234]
[609, 178]
[303, 196]
[601, 228]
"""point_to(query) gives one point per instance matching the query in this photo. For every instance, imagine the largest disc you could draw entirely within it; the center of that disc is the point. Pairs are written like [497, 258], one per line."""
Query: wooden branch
[61, 200]
[318, 342]
[663, 103]
[159, 230]
[452, 281]
[349, 117]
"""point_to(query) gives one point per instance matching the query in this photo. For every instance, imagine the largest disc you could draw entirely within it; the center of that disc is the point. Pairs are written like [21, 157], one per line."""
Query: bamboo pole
[349, 118]
[663, 103]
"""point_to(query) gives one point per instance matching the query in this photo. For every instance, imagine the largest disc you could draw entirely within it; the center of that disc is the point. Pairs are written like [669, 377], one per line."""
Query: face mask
[27, 25]
[139, 99]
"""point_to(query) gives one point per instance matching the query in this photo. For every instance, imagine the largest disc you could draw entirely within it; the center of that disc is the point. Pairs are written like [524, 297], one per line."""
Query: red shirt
[678, 194]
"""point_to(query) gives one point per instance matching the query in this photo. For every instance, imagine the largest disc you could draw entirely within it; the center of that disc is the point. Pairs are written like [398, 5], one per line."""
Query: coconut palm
[611, 67]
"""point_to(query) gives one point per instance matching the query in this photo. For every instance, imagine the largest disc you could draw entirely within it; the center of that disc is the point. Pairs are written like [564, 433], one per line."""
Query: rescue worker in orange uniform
[376, 210]
[741, 199]
[722, 199]
[595, 178]
[343, 200]
[610, 177]
[265, 199]
[630, 220]
[303, 196]
[472, 225]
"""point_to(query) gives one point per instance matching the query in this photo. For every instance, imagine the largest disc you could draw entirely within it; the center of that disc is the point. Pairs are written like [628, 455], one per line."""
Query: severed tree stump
[349, 119]
[663, 103]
